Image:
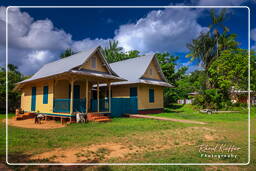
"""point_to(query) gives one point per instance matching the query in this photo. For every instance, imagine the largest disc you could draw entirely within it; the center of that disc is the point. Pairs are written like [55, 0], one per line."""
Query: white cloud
[161, 30]
[89, 43]
[36, 42]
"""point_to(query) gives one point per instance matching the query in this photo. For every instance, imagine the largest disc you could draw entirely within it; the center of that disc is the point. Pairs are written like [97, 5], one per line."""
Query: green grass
[230, 128]
[190, 113]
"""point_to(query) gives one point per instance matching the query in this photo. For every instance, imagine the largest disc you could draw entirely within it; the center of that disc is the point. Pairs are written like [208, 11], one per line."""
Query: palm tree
[208, 45]
[113, 52]
[202, 48]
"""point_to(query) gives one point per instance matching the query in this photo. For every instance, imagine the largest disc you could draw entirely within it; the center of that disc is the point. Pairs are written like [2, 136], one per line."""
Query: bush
[213, 99]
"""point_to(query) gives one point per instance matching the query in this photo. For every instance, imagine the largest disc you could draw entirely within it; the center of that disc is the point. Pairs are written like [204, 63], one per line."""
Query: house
[241, 96]
[145, 83]
[73, 84]
[190, 99]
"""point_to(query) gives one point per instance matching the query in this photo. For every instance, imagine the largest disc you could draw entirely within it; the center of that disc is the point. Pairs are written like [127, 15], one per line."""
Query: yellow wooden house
[64, 87]
[86, 83]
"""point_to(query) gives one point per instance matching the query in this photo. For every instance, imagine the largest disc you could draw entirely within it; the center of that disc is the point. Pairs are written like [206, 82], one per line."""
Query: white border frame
[203, 164]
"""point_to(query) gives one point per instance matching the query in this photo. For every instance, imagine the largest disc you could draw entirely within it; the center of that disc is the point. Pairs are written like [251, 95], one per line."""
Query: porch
[75, 94]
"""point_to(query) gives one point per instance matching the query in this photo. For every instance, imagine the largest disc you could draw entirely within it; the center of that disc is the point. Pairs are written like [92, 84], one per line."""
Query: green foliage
[14, 76]
[212, 98]
[68, 52]
[114, 53]
[194, 82]
[168, 64]
[231, 69]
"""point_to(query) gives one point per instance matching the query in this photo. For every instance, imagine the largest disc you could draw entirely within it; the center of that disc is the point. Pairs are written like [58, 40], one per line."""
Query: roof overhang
[155, 82]
[98, 74]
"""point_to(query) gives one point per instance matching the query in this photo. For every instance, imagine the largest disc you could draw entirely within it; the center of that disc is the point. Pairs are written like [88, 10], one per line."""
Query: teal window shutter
[151, 95]
[45, 97]
[133, 92]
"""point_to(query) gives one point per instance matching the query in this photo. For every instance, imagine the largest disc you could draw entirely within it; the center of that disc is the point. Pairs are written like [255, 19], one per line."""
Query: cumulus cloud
[161, 30]
[89, 43]
[36, 42]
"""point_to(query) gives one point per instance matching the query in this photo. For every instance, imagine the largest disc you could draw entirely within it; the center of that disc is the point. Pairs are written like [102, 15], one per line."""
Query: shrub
[213, 99]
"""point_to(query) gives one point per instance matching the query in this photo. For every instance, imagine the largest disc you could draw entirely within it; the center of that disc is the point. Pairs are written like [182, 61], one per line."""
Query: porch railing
[63, 105]
[103, 107]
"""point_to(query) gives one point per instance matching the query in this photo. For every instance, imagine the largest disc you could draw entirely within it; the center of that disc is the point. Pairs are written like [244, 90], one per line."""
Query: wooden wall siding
[62, 89]
[143, 97]
[61, 92]
[26, 97]
[99, 64]
[154, 74]
[122, 91]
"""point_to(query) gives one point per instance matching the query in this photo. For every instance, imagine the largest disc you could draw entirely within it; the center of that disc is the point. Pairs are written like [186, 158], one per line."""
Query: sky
[37, 36]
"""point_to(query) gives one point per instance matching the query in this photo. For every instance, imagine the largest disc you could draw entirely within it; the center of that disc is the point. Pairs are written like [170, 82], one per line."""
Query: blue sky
[38, 36]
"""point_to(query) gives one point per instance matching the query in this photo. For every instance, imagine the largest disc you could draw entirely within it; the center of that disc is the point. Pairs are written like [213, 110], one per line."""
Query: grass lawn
[141, 140]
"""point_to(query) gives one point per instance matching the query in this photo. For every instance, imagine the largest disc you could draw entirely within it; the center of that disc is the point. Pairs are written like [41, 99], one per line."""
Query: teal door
[33, 99]
[76, 92]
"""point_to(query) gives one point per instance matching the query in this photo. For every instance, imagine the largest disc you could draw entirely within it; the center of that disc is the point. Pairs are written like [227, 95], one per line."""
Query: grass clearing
[140, 140]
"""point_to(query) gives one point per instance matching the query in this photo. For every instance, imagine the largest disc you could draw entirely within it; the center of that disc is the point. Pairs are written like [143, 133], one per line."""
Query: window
[151, 95]
[93, 62]
[45, 97]
[133, 92]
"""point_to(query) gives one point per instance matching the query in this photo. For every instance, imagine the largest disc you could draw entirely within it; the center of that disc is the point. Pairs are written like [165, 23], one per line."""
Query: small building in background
[190, 99]
[241, 96]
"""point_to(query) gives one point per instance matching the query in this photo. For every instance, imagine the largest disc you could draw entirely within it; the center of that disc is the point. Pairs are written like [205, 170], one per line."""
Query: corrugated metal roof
[61, 65]
[65, 65]
[133, 69]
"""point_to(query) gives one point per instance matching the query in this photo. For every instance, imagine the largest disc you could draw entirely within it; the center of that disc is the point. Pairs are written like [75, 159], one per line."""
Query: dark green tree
[168, 65]
[14, 76]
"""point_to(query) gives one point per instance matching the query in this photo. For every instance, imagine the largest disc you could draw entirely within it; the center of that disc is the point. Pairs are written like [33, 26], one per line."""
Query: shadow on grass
[24, 158]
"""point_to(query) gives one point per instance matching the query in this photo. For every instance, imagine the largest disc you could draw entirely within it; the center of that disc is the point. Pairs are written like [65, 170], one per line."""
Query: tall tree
[14, 76]
[208, 46]
[68, 52]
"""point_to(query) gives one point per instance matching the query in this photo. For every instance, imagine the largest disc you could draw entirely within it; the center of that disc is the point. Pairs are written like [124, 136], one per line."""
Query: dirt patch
[127, 147]
[29, 123]
[209, 137]
[86, 154]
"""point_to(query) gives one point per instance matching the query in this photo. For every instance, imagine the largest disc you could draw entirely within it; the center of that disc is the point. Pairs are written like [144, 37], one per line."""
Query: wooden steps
[98, 117]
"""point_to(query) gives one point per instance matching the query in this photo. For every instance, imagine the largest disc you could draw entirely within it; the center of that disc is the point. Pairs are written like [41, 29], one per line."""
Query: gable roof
[67, 64]
[133, 70]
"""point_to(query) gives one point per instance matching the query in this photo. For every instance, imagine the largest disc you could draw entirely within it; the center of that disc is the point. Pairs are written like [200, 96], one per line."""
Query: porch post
[98, 97]
[53, 94]
[71, 96]
[86, 96]
[109, 97]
